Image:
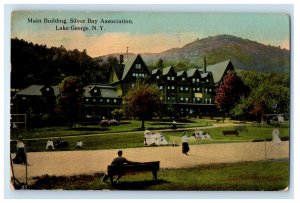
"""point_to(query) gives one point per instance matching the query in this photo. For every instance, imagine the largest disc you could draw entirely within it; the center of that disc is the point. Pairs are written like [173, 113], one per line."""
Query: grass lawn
[128, 135]
[270, 175]
[136, 139]
[125, 126]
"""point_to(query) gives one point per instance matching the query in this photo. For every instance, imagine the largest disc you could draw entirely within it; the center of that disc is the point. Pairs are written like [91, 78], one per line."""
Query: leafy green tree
[70, 98]
[230, 91]
[142, 101]
[118, 114]
[269, 94]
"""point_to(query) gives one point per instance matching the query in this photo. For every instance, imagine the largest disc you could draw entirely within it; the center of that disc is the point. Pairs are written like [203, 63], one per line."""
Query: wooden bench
[131, 169]
[230, 132]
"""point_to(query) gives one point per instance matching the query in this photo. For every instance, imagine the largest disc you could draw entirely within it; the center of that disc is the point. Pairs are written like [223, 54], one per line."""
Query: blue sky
[149, 32]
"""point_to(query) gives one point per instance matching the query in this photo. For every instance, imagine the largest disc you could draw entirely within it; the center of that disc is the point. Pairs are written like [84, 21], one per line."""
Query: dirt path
[89, 162]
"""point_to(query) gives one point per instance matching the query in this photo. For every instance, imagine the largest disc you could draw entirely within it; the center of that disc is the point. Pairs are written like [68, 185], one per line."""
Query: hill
[244, 54]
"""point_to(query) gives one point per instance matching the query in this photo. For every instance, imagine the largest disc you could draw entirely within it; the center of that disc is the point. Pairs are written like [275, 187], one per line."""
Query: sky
[146, 32]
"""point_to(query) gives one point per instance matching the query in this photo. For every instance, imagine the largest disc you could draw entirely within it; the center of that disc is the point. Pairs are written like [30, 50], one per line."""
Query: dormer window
[157, 77]
[47, 89]
[138, 66]
[95, 90]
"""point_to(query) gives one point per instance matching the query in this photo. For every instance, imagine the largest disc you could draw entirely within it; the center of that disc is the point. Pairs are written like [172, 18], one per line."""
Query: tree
[230, 91]
[160, 64]
[118, 114]
[269, 94]
[142, 101]
[70, 98]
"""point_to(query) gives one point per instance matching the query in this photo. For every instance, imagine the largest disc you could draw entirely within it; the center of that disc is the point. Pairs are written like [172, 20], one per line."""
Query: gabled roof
[191, 72]
[106, 91]
[218, 70]
[166, 70]
[127, 65]
[35, 90]
[155, 71]
[204, 75]
[180, 73]
[118, 69]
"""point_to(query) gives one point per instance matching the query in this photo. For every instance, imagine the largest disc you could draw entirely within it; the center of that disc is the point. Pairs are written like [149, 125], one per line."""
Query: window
[168, 87]
[181, 99]
[181, 88]
[183, 79]
[161, 87]
[186, 89]
[115, 100]
[168, 78]
[210, 100]
[24, 98]
[132, 85]
[193, 80]
[138, 66]
[198, 89]
[47, 89]
[172, 78]
[95, 90]
[207, 80]
[101, 100]
[87, 99]
[168, 98]
[173, 88]
[205, 100]
[186, 99]
[157, 77]
[108, 100]
[197, 80]
[133, 74]
[206, 90]
[209, 89]
[94, 100]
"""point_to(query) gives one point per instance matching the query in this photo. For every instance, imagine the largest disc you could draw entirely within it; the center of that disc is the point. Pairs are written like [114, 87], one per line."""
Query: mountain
[244, 54]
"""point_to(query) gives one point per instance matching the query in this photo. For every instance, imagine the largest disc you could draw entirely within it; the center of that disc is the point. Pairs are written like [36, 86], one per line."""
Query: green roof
[166, 70]
[191, 72]
[106, 91]
[155, 71]
[180, 73]
[127, 65]
[35, 90]
[218, 70]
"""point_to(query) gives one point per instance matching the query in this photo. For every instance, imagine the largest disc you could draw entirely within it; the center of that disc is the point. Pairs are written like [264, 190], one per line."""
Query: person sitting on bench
[119, 163]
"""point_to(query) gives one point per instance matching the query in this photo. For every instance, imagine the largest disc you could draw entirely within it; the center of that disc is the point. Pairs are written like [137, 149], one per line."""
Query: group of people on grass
[51, 146]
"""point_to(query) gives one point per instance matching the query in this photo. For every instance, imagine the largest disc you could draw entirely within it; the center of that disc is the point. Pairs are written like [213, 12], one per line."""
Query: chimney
[204, 65]
[121, 58]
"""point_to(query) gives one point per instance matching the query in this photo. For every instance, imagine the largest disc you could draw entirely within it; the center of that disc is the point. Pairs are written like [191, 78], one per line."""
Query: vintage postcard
[150, 101]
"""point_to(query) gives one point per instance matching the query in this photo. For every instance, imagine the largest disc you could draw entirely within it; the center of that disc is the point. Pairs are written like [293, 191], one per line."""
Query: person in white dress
[50, 145]
[275, 136]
